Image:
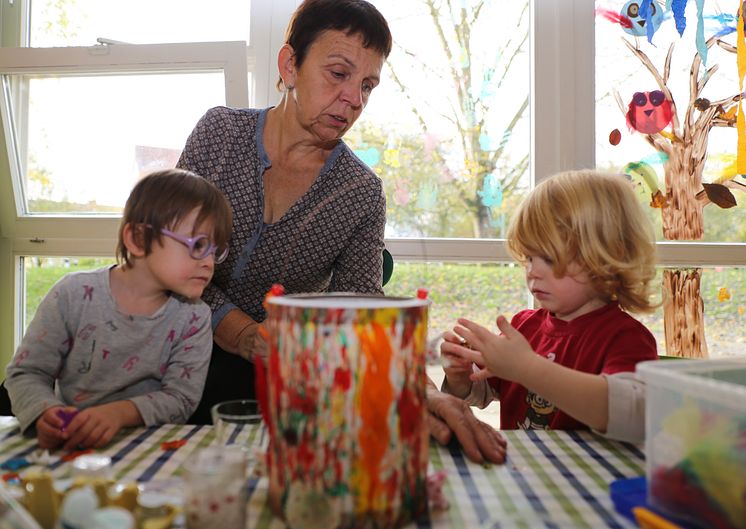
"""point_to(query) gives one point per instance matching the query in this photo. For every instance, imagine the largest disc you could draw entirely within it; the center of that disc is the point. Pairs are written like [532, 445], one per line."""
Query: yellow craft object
[723, 294]
[741, 61]
[43, 502]
[647, 519]
[717, 465]
[669, 135]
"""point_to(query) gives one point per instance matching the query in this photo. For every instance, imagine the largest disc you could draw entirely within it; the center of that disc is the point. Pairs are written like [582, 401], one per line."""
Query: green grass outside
[481, 292]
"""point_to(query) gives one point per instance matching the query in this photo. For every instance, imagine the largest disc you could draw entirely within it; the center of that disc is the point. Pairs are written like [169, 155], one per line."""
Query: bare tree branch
[667, 64]
[645, 60]
[516, 118]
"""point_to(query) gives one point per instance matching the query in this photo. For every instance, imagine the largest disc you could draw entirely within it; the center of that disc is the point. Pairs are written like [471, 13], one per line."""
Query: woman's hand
[506, 355]
[450, 415]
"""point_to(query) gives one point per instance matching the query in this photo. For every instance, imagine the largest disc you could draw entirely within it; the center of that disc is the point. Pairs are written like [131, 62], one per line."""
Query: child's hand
[50, 427]
[93, 427]
[458, 370]
[503, 355]
[454, 364]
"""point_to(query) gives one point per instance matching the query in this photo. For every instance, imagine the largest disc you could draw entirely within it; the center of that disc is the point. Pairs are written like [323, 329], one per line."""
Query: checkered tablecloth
[551, 479]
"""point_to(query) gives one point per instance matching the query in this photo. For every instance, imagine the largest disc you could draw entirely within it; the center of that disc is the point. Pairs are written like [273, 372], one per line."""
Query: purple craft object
[67, 417]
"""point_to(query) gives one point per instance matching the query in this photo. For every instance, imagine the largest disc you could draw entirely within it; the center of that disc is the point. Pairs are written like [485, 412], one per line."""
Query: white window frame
[23, 235]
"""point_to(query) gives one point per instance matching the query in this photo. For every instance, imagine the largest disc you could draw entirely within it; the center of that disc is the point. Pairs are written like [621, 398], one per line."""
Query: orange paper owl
[649, 112]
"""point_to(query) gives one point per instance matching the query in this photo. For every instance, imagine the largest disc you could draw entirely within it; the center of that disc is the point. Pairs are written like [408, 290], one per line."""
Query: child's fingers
[454, 359]
[506, 328]
[478, 332]
[48, 434]
[482, 374]
[107, 436]
[79, 436]
[469, 340]
[450, 336]
[463, 352]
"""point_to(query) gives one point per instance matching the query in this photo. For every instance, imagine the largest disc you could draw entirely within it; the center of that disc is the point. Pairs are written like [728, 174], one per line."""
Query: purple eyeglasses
[199, 247]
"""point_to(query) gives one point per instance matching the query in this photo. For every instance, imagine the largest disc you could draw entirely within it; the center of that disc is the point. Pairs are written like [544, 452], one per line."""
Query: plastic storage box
[695, 441]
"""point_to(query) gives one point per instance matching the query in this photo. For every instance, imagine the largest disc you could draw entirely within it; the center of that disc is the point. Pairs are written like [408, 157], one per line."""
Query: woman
[308, 214]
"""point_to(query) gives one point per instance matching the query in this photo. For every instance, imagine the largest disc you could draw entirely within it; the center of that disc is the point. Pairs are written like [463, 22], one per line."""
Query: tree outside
[448, 129]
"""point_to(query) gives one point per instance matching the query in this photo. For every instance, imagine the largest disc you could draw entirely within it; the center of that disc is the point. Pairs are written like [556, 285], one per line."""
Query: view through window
[680, 66]
[448, 127]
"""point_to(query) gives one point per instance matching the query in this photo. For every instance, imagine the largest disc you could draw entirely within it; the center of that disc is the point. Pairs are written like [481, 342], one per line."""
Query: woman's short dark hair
[162, 199]
[354, 17]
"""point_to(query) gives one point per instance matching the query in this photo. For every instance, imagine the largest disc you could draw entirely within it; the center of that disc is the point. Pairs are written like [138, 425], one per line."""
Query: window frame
[23, 235]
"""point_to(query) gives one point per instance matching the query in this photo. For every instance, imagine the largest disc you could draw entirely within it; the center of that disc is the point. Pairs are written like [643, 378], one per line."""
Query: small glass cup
[215, 493]
[234, 419]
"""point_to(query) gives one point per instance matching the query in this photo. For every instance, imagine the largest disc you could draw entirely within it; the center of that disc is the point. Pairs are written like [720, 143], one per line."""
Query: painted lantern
[346, 410]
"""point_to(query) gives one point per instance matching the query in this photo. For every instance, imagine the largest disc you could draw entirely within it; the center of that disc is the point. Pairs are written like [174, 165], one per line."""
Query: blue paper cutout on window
[369, 156]
[492, 191]
[678, 7]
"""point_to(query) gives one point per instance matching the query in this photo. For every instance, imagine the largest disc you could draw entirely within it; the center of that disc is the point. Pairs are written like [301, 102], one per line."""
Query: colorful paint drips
[346, 410]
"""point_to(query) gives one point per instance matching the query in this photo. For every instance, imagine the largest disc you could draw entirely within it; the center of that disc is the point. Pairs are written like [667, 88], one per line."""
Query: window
[448, 128]
[74, 116]
[78, 78]
[662, 155]
[532, 96]
[530, 24]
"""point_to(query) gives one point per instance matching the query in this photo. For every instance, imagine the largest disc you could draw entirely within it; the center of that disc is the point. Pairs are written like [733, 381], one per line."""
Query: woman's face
[334, 83]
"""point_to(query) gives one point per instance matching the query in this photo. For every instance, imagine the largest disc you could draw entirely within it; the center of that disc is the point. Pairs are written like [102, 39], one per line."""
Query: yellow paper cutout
[723, 295]
[741, 120]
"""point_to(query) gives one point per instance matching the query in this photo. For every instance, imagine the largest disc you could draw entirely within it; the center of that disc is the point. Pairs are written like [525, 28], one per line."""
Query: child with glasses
[587, 248]
[129, 344]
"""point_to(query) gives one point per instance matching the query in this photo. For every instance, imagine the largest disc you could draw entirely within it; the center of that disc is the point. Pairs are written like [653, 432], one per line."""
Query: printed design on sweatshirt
[70, 343]
[86, 332]
[112, 327]
[85, 365]
[87, 292]
[186, 372]
[539, 413]
[191, 332]
[540, 410]
[82, 396]
[20, 357]
[130, 363]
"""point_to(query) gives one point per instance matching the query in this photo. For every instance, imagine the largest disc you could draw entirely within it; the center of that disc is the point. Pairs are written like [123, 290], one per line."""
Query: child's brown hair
[162, 199]
[595, 220]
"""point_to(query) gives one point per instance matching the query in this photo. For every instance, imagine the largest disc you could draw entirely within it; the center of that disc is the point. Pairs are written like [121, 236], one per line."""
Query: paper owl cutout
[649, 112]
[633, 10]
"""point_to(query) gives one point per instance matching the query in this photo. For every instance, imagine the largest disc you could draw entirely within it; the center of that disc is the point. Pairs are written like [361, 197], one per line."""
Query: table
[551, 479]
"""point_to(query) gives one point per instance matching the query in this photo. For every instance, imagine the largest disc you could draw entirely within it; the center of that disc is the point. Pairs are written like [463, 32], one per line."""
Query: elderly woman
[308, 214]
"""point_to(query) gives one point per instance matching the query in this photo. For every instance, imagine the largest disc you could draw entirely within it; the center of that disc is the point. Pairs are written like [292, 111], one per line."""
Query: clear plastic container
[695, 440]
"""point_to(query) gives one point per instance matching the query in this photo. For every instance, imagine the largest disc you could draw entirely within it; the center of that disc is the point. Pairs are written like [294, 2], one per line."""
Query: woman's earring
[614, 297]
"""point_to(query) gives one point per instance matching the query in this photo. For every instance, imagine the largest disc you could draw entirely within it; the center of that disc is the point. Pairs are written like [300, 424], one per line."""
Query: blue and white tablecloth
[551, 479]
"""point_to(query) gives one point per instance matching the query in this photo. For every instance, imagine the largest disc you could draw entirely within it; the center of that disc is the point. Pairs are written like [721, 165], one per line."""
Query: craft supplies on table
[696, 440]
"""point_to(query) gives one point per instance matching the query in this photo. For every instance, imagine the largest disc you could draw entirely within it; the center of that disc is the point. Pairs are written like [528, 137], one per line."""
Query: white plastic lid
[345, 300]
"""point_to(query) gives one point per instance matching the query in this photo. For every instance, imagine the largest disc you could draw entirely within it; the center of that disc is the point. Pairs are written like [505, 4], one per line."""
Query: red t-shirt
[607, 340]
